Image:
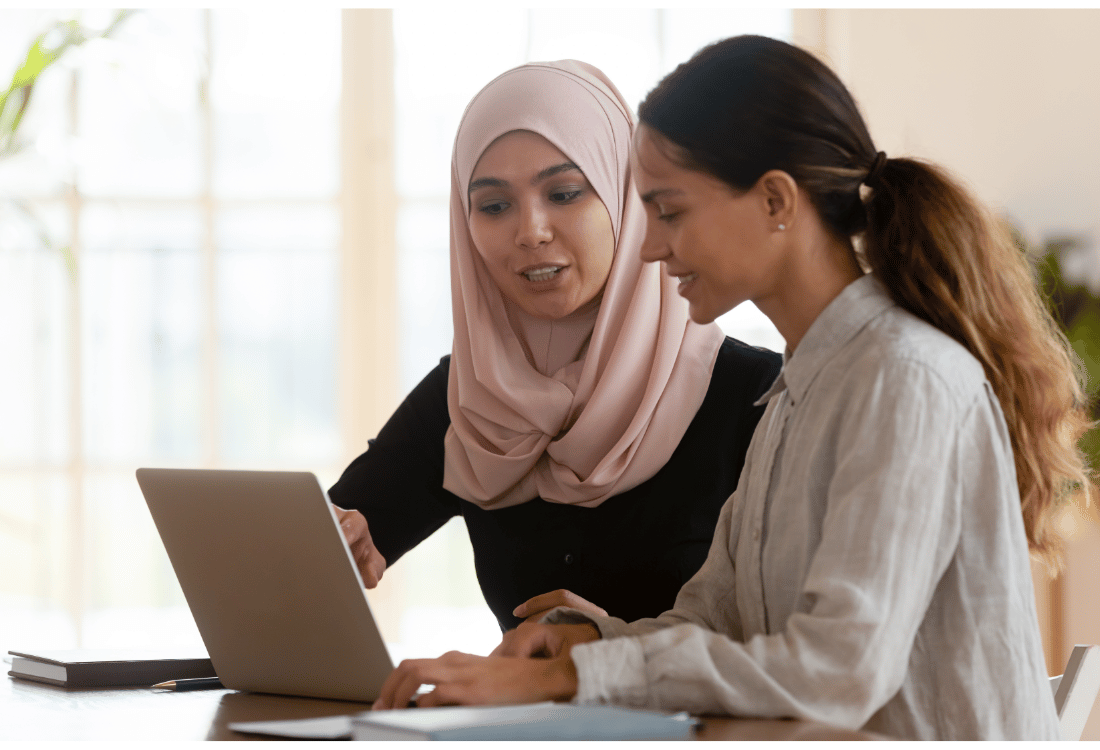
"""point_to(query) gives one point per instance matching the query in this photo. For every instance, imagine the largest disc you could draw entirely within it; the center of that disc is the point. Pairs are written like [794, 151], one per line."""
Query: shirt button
[756, 535]
[568, 559]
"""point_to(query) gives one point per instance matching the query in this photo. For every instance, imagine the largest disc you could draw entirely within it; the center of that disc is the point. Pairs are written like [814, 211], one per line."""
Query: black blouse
[629, 555]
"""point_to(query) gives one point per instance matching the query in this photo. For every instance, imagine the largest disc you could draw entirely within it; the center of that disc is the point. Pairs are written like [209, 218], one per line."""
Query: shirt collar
[860, 302]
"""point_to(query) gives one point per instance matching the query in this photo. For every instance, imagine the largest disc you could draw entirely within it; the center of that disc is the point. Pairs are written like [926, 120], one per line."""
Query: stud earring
[782, 227]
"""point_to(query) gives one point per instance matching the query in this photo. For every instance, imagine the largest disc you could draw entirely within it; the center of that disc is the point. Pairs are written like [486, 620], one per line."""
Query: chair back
[1075, 691]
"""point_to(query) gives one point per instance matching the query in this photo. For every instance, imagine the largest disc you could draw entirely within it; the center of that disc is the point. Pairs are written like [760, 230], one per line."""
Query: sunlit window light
[191, 163]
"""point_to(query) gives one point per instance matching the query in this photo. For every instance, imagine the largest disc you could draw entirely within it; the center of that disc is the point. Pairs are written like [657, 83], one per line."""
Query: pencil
[196, 683]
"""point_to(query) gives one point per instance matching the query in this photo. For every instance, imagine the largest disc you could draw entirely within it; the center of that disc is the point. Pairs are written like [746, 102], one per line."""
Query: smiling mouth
[542, 274]
[687, 278]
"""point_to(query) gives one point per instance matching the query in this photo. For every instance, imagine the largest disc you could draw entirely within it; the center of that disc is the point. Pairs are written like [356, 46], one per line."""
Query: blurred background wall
[223, 242]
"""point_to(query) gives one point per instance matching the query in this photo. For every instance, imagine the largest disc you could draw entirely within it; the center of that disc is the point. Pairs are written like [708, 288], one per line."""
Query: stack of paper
[539, 721]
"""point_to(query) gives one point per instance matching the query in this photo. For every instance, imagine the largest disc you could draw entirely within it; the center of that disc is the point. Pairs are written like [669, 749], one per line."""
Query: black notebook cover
[85, 668]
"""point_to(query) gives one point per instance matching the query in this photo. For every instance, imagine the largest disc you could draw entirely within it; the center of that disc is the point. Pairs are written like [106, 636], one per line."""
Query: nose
[534, 227]
[654, 247]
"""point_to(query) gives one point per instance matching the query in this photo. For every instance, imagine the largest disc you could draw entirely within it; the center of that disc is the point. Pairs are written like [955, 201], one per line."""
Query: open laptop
[270, 581]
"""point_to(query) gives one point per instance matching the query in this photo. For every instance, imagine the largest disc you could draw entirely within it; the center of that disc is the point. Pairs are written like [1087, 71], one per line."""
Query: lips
[541, 273]
[686, 280]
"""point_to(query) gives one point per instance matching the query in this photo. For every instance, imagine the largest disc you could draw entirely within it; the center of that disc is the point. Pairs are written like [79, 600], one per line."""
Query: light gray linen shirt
[871, 569]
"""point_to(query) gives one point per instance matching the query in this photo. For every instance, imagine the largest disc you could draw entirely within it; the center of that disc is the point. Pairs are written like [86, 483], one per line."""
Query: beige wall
[1010, 101]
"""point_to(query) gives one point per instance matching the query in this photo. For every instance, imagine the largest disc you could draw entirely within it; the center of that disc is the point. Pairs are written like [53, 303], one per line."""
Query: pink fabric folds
[580, 409]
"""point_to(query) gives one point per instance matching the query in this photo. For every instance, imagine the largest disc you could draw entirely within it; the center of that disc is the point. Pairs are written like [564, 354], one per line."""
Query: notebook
[85, 668]
[270, 581]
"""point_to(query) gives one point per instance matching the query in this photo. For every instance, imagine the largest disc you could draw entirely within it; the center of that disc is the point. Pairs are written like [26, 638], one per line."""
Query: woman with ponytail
[872, 568]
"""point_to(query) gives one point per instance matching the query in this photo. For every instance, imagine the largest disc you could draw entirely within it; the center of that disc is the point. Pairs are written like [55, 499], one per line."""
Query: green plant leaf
[14, 101]
[1084, 336]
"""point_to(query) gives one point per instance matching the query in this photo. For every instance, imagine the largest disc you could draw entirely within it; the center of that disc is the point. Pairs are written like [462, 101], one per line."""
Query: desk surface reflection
[33, 711]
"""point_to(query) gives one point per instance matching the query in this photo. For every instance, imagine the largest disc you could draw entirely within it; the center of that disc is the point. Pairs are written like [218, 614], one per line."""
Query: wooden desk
[31, 711]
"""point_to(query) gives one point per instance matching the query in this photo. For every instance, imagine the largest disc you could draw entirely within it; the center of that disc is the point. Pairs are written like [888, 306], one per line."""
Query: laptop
[270, 581]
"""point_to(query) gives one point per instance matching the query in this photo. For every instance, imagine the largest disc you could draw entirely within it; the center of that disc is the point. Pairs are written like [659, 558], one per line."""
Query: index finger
[541, 603]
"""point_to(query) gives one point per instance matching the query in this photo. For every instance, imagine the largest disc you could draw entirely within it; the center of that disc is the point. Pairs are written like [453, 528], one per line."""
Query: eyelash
[570, 195]
[561, 197]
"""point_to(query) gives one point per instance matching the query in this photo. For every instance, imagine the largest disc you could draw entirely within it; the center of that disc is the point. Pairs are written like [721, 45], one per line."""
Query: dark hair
[750, 104]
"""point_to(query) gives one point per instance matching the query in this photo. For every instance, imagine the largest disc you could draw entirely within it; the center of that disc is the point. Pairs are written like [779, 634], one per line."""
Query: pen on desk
[194, 683]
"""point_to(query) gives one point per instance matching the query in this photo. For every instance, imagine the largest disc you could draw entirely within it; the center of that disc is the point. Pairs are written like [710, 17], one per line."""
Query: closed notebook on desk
[538, 721]
[89, 668]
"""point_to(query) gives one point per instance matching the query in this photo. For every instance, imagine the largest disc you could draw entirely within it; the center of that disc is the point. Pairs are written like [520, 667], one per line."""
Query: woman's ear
[779, 193]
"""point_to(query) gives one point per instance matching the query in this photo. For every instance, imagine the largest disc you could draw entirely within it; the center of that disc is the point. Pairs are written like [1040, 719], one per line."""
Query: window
[191, 164]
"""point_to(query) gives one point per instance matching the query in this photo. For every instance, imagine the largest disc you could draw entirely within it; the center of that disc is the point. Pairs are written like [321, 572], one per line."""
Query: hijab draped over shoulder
[583, 408]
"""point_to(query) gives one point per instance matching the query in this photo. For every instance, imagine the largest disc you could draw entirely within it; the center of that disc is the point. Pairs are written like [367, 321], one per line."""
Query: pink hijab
[580, 409]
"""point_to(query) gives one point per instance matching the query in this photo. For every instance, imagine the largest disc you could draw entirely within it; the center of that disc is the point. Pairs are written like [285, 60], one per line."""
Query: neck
[550, 345]
[819, 267]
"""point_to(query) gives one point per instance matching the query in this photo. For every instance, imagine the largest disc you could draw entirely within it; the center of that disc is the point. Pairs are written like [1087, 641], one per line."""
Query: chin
[701, 316]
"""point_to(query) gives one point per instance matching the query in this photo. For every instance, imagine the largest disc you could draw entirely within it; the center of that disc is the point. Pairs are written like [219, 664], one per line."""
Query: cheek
[487, 240]
[722, 237]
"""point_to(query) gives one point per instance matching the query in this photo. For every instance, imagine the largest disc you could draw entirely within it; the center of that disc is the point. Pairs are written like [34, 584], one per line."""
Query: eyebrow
[652, 195]
[551, 171]
[543, 175]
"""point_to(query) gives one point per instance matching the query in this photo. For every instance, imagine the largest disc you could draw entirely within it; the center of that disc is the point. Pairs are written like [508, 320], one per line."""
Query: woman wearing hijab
[586, 430]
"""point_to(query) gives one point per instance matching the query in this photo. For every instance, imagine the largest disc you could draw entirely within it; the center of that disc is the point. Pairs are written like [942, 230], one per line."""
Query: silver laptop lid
[270, 581]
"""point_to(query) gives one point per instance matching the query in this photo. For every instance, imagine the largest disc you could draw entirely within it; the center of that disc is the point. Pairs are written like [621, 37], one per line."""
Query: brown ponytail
[945, 260]
[749, 104]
